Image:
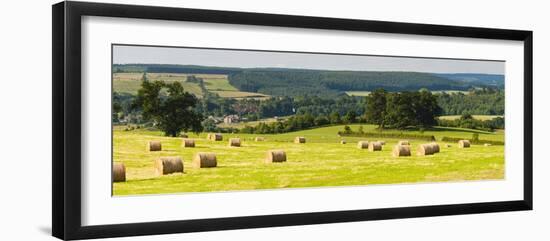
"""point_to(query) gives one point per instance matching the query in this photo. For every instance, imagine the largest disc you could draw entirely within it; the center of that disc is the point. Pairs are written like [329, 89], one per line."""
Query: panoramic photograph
[188, 120]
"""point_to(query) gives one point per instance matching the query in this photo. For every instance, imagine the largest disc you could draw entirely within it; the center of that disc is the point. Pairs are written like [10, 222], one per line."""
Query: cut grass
[321, 161]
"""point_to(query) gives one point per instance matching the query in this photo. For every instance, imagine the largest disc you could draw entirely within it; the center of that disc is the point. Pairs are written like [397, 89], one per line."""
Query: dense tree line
[477, 102]
[254, 109]
[301, 122]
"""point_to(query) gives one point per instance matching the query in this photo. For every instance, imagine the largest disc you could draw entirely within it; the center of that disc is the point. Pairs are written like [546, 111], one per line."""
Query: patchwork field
[321, 161]
[214, 83]
[131, 82]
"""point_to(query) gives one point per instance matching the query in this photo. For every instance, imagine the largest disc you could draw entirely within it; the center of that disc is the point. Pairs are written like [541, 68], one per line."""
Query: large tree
[376, 107]
[400, 110]
[426, 108]
[169, 107]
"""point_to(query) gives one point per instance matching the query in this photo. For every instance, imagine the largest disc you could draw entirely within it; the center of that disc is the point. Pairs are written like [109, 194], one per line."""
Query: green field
[322, 161]
[477, 117]
[218, 82]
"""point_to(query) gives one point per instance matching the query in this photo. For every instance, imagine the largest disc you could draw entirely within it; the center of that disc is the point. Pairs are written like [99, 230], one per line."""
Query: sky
[123, 54]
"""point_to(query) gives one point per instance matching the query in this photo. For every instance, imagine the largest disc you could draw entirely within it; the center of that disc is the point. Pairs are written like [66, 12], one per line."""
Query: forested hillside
[299, 82]
[274, 82]
[482, 80]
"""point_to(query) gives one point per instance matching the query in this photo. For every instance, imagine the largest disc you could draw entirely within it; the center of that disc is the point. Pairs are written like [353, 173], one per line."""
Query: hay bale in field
[425, 149]
[259, 138]
[447, 145]
[235, 142]
[204, 159]
[154, 146]
[183, 135]
[401, 150]
[435, 147]
[188, 143]
[375, 146]
[343, 142]
[382, 142]
[404, 143]
[275, 156]
[487, 144]
[168, 165]
[300, 139]
[464, 144]
[215, 137]
[363, 144]
[119, 172]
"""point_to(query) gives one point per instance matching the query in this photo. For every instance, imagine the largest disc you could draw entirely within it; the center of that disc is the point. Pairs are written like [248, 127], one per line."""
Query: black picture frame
[66, 127]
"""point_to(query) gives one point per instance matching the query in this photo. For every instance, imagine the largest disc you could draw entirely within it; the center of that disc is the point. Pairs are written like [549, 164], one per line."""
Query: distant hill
[320, 82]
[294, 82]
[489, 80]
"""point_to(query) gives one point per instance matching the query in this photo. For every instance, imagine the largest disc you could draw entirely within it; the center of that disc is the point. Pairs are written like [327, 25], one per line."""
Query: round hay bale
[235, 142]
[183, 135]
[215, 137]
[363, 144]
[300, 139]
[154, 146]
[343, 142]
[401, 150]
[447, 145]
[464, 144]
[375, 146]
[275, 156]
[382, 142]
[204, 159]
[168, 165]
[119, 172]
[435, 147]
[425, 149]
[487, 144]
[188, 143]
[259, 138]
[404, 143]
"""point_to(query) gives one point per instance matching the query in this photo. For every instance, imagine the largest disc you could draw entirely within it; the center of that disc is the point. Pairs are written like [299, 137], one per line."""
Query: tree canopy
[169, 107]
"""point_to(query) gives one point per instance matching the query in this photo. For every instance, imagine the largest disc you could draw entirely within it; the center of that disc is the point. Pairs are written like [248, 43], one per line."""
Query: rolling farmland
[213, 83]
[321, 161]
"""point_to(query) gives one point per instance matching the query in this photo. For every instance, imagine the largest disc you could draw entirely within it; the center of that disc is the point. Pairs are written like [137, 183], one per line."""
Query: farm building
[231, 119]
